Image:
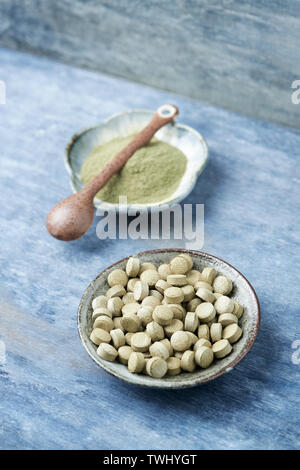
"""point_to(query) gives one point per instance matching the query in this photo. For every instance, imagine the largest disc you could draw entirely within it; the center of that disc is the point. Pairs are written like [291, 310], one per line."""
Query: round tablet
[178, 311]
[98, 336]
[147, 265]
[155, 293]
[238, 309]
[232, 333]
[193, 338]
[202, 285]
[145, 314]
[191, 322]
[179, 265]
[150, 277]
[104, 322]
[177, 280]
[204, 357]
[217, 295]
[141, 290]
[117, 277]
[140, 342]
[118, 338]
[202, 342]
[203, 332]
[216, 332]
[188, 259]
[193, 276]
[100, 301]
[167, 343]
[164, 270]
[107, 352]
[146, 359]
[221, 348]
[208, 275]
[150, 301]
[205, 294]
[128, 298]
[180, 341]
[193, 304]
[224, 305]
[155, 331]
[222, 285]
[132, 267]
[162, 285]
[115, 291]
[117, 323]
[206, 312]
[128, 337]
[174, 365]
[187, 362]
[133, 307]
[136, 362]
[131, 283]
[227, 318]
[156, 367]
[188, 293]
[131, 322]
[174, 295]
[101, 311]
[124, 354]
[158, 349]
[114, 306]
[163, 315]
[175, 325]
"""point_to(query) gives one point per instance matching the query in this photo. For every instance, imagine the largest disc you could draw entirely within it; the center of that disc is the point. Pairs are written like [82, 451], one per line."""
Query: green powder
[152, 174]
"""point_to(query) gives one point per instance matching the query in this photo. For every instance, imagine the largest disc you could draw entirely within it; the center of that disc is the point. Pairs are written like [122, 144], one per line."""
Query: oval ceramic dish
[186, 139]
[242, 291]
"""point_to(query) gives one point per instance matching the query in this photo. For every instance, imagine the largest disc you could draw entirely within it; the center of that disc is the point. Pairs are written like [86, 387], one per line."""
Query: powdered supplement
[152, 174]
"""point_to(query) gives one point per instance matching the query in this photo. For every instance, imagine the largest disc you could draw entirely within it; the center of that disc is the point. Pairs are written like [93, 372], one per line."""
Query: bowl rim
[155, 205]
[175, 385]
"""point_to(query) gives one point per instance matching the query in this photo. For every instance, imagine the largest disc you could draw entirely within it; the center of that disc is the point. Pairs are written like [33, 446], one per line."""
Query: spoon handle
[162, 116]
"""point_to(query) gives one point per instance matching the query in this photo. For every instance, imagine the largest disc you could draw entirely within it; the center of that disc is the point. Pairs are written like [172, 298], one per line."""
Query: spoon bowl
[71, 218]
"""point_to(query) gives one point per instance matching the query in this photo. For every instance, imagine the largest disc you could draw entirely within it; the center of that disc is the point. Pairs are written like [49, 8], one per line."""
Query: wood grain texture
[236, 54]
[52, 394]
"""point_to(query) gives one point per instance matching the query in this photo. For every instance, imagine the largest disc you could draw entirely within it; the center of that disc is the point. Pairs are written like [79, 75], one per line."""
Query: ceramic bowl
[186, 139]
[242, 291]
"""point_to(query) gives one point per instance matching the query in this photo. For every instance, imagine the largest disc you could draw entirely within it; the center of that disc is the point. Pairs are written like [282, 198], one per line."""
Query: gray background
[236, 54]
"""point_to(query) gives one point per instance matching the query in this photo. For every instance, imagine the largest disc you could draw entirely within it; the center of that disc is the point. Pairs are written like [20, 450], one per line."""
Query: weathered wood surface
[236, 54]
[52, 394]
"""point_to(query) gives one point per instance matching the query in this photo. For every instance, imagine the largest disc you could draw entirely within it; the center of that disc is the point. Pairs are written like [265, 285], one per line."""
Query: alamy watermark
[296, 353]
[2, 353]
[295, 96]
[2, 92]
[178, 222]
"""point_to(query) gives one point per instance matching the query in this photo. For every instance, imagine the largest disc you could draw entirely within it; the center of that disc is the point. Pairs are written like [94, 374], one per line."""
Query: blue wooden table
[52, 394]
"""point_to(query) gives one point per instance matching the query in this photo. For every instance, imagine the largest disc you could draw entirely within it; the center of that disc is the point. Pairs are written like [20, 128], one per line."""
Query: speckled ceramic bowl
[186, 139]
[242, 292]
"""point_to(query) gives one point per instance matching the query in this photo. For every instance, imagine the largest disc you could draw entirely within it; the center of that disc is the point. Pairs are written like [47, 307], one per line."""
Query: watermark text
[178, 222]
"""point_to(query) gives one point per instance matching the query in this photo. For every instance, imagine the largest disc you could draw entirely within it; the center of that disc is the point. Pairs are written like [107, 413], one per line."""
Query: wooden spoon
[73, 216]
